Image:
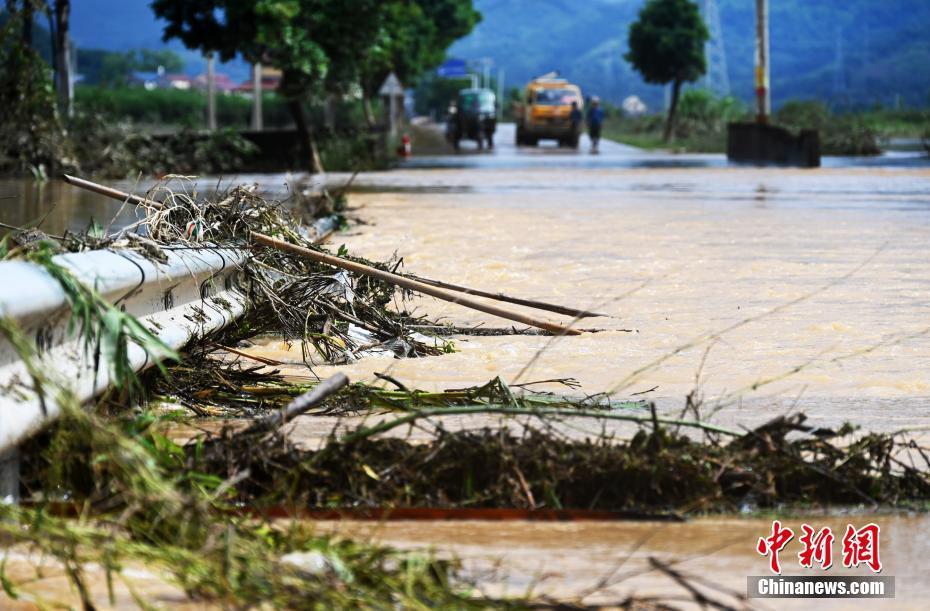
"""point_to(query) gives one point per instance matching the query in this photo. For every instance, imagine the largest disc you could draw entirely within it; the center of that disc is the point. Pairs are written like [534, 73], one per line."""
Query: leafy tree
[317, 44]
[413, 38]
[667, 46]
[31, 136]
[115, 69]
[52, 44]
[148, 60]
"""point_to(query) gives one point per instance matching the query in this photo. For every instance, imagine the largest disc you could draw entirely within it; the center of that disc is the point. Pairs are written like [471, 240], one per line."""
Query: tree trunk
[670, 122]
[315, 164]
[329, 113]
[369, 113]
[27, 22]
[63, 56]
[50, 16]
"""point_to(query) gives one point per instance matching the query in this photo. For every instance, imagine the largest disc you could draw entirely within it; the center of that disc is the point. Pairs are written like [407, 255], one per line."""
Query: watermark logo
[860, 547]
[773, 544]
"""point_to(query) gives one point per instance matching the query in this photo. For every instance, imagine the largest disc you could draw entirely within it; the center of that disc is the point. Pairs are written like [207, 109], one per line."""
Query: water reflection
[56, 206]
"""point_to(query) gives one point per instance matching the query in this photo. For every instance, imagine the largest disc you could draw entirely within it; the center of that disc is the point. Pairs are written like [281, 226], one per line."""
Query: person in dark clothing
[595, 120]
[576, 118]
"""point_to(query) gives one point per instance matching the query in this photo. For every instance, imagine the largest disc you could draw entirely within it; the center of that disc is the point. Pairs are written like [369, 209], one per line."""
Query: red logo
[859, 546]
[817, 548]
[774, 543]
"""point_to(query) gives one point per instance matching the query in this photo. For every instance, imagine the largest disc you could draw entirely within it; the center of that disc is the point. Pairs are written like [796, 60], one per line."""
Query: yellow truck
[545, 112]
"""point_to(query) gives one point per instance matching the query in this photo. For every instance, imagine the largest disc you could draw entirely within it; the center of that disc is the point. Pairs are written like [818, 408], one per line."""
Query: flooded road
[766, 290]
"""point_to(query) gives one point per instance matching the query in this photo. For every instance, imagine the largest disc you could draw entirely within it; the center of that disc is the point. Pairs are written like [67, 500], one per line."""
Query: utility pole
[500, 93]
[211, 93]
[763, 95]
[257, 96]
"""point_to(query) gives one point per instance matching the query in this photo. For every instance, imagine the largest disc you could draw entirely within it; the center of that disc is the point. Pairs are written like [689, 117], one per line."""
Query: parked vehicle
[545, 112]
[474, 117]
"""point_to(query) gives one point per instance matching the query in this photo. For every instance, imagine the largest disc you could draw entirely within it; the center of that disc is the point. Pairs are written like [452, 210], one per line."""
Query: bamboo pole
[110, 192]
[433, 288]
[412, 285]
[539, 305]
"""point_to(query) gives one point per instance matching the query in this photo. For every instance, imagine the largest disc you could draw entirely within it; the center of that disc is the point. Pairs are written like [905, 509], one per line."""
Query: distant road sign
[453, 68]
[391, 86]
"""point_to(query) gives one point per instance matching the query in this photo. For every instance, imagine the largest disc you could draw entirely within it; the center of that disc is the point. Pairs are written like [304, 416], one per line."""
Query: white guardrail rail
[195, 292]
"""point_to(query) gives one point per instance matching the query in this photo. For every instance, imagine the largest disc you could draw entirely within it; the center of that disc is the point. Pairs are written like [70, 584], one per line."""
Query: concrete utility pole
[500, 93]
[257, 96]
[763, 95]
[211, 93]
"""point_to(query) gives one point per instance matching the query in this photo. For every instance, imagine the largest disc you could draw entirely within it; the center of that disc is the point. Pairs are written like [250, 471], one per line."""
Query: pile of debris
[203, 511]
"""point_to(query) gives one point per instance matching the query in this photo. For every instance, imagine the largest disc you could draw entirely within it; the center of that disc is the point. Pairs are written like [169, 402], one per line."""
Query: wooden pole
[763, 95]
[110, 192]
[539, 305]
[410, 284]
[211, 92]
[257, 97]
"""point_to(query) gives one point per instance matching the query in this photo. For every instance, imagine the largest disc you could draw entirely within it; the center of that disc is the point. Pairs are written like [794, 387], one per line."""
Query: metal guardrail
[194, 293]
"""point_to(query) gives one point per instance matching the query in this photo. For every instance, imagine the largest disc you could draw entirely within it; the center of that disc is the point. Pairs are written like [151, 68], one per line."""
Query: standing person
[576, 118]
[595, 120]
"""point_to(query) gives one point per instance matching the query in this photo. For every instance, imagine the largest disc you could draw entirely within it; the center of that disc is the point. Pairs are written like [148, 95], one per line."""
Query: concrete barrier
[762, 144]
[195, 292]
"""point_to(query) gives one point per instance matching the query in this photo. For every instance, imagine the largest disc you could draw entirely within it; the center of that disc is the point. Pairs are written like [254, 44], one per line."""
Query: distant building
[148, 80]
[177, 81]
[632, 105]
[271, 79]
[222, 82]
[160, 80]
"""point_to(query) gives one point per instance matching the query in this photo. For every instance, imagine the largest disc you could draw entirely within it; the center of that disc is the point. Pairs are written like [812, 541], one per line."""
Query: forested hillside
[883, 47]
[884, 44]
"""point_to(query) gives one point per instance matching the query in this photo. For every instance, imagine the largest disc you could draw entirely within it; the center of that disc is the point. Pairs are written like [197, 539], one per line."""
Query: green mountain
[847, 52]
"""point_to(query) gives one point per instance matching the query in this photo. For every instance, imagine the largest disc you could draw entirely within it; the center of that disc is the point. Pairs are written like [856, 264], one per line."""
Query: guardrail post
[9, 476]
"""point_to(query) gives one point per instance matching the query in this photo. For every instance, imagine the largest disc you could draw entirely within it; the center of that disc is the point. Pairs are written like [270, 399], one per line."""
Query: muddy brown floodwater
[604, 562]
[783, 289]
[768, 290]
